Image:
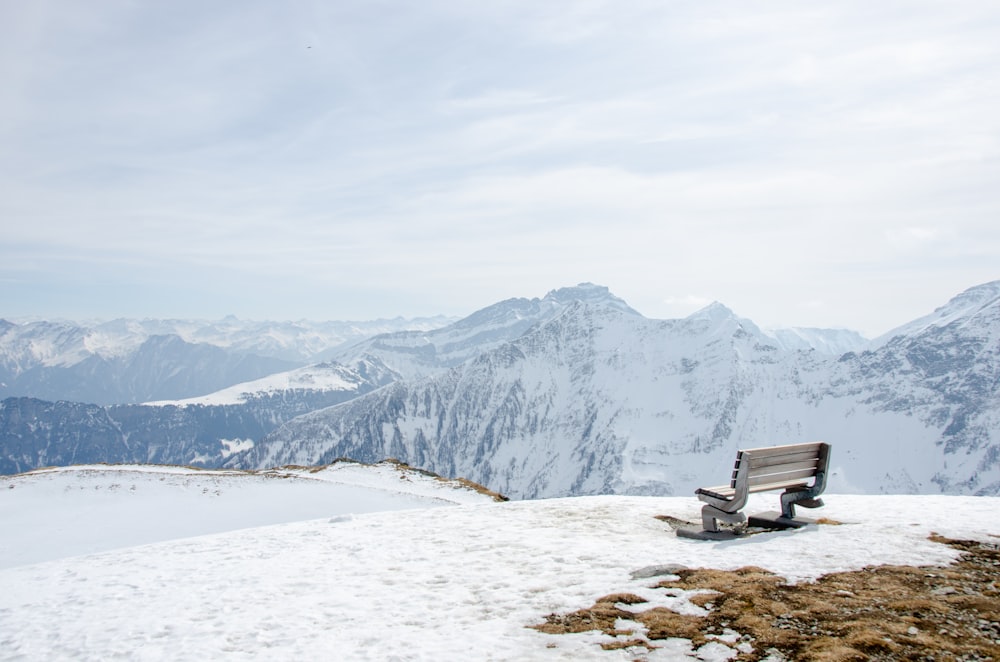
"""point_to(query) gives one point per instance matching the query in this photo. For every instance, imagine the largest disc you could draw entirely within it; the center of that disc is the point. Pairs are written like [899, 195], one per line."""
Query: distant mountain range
[577, 393]
[133, 361]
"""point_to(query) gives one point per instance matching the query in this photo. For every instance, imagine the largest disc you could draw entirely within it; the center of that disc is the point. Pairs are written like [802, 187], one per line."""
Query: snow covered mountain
[206, 430]
[969, 305]
[416, 354]
[576, 393]
[200, 431]
[598, 399]
[130, 361]
[161, 367]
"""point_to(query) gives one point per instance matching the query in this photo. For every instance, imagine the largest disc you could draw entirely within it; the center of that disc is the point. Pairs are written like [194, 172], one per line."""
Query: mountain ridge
[131, 361]
[581, 394]
[595, 401]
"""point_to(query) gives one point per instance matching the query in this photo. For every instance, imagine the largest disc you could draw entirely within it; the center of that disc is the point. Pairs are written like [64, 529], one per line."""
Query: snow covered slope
[601, 400]
[824, 341]
[969, 305]
[318, 378]
[63, 512]
[453, 583]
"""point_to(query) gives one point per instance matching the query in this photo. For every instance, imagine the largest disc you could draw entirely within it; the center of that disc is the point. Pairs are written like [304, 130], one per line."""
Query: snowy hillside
[320, 377]
[970, 304]
[601, 400]
[824, 341]
[458, 582]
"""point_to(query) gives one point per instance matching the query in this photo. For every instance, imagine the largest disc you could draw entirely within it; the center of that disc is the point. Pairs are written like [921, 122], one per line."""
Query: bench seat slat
[727, 492]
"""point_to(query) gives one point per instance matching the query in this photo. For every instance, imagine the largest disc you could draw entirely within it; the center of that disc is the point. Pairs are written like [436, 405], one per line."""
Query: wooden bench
[799, 470]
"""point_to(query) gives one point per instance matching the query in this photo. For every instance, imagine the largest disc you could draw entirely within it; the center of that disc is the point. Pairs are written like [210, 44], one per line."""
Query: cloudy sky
[812, 164]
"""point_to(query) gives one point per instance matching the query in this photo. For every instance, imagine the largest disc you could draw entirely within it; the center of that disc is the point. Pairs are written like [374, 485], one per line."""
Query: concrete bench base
[771, 520]
[774, 520]
[699, 534]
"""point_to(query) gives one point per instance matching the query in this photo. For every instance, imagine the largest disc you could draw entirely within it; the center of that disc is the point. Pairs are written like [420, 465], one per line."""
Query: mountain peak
[977, 296]
[588, 293]
[719, 318]
[714, 311]
[962, 306]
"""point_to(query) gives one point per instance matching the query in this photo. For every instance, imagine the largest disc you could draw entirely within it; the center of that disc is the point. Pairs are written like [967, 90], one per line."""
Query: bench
[800, 470]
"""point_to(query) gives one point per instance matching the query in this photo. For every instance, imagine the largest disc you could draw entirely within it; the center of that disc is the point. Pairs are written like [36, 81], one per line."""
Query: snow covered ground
[69, 511]
[459, 582]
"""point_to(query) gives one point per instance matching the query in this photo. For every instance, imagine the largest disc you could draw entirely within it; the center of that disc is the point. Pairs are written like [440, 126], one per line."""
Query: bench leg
[711, 516]
[791, 499]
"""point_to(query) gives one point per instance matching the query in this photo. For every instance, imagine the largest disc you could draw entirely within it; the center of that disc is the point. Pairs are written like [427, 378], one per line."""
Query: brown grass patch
[673, 522]
[601, 616]
[404, 468]
[464, 482]
[877, 613]
[482, 489]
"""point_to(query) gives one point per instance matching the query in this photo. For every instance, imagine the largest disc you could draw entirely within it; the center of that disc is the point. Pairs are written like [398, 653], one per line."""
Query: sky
[806, 164]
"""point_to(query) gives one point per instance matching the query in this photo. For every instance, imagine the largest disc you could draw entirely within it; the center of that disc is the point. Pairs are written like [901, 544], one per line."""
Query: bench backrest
[779, 464]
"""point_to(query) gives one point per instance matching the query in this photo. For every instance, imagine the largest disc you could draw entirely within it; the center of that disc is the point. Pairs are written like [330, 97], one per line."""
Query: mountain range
[577, 393]
[132, 361]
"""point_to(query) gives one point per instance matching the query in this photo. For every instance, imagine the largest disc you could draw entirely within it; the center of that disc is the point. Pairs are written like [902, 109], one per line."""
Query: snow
[319, 377]
[69, 511]
[833, 342]
[961, 307]
[444, 583]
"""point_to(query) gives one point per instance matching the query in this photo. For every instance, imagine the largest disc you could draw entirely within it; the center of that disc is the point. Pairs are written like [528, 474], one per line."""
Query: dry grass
[465, 482]
[404, 469]
[877, 613]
